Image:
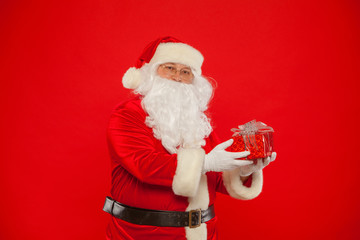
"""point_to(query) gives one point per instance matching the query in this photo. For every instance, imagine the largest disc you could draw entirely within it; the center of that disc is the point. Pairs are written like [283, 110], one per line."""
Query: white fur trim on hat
[237, 190]
[188, 171]
[178, 53]
[132, 78]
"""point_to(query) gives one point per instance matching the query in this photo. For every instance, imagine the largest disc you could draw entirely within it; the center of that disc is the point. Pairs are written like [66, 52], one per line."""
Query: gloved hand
[219, 160]
[261, 163]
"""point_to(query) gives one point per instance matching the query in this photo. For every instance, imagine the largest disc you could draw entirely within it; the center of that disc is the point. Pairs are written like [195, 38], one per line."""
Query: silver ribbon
[248, 131]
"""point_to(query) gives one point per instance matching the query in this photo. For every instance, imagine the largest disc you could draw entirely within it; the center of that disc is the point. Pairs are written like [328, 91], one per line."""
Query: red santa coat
[146, 175]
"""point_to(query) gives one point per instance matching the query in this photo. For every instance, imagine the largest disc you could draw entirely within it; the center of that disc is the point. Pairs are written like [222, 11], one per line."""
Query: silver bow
[248, 131]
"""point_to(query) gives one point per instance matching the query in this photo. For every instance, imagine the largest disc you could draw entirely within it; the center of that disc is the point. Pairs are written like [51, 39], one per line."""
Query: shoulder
[129, 109]
[132, 103]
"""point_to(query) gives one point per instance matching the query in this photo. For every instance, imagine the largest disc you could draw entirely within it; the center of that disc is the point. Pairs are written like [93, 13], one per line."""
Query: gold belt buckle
[190, 218]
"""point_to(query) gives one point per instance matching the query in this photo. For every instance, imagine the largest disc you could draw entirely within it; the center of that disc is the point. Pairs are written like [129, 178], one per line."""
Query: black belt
[160, 218]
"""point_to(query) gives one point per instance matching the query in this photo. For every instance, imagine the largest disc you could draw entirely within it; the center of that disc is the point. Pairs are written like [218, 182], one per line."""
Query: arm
[133, 146]
[246, 182]
[239, 189]
[230, 182]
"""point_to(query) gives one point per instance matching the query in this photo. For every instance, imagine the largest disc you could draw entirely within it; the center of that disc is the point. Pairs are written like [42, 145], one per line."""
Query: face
[176, 72]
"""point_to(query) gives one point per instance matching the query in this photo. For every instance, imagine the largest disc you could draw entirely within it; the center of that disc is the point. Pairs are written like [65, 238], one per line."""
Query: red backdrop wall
[291, 64]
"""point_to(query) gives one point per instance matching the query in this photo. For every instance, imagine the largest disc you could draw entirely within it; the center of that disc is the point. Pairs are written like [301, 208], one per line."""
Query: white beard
[176, 110]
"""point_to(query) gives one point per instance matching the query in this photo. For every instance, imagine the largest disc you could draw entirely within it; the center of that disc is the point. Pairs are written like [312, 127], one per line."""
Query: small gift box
[255, 137]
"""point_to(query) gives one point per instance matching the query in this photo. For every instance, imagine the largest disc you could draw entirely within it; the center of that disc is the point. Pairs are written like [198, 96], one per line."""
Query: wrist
[244, 178]
[206, 166]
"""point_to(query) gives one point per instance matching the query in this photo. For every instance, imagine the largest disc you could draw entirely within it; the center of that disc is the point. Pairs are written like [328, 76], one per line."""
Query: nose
[176, 77]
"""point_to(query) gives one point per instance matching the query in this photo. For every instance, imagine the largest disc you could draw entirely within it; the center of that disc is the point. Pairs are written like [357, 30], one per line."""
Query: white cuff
[188, 172]
[237, 190]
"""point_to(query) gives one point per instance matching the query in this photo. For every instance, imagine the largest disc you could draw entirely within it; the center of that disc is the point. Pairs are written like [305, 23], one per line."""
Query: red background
[291, 64]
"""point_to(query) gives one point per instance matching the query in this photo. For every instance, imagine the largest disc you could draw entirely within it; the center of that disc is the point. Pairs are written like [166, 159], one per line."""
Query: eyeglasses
[185, 73]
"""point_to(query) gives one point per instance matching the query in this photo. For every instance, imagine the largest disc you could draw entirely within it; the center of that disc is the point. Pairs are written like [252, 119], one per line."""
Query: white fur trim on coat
[178, 53]
[188, 171]
[237, 190]
[199, 201]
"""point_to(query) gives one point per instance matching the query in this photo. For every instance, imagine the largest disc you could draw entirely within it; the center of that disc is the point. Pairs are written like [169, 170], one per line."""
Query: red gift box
[255, 137]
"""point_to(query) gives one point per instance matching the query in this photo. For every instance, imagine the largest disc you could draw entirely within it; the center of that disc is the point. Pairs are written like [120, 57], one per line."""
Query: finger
[260, 163]
[240, 163]
[238, 154]
[273, 156]
[225, 144]
[266, 161]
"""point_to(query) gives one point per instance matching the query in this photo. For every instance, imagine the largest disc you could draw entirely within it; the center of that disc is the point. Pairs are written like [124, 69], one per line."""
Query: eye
[187, 72]
[169, 67]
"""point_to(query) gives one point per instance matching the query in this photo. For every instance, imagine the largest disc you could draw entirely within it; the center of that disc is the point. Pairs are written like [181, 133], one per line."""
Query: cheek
[190, 81]
[161, 73]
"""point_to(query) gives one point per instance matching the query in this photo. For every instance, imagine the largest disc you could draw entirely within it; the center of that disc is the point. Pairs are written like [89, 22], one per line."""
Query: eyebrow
[173, 64]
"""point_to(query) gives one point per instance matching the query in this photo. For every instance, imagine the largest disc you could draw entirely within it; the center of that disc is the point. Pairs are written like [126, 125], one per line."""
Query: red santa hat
[162, 50]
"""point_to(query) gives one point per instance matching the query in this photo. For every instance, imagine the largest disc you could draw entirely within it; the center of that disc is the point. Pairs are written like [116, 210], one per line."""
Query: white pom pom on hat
[131, 78]
[162, 50]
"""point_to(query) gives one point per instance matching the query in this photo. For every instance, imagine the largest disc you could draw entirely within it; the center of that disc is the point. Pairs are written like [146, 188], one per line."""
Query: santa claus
[167, 163]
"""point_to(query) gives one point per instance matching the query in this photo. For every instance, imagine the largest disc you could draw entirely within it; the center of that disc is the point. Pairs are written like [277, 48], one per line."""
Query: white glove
[261, 163]
[219, 160]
